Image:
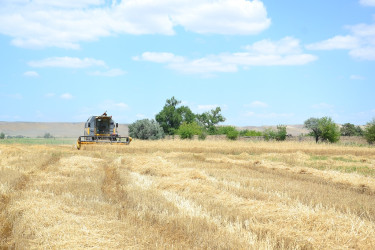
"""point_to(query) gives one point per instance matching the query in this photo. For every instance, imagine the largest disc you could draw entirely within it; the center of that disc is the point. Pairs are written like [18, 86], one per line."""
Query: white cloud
[64, 24]
[287, 45]
[365, 53]
[286, 51]
[257, 104]
[357, 77]
[367, 2]
[109, 73]
[31, 74]
[360, 43]
[68, 3]
[66, 96]
[67, 62]
[337, 42]
[159, 57]
[224, 17]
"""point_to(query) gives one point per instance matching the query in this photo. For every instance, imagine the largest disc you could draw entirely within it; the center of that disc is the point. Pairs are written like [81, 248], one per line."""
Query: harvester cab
[101, 129]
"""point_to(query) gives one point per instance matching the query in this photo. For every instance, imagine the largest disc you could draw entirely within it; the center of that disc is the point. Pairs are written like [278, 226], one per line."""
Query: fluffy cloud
[337, 42]
[64, 24]
[360, 43]
[66, 62]
[367, 2]
[286, 51]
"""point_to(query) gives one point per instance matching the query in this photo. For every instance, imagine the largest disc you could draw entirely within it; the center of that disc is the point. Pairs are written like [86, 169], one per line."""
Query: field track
[188, 195]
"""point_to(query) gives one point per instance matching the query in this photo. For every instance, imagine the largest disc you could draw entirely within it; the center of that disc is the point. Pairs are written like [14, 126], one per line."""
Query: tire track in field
[115, 191]
[6, 230]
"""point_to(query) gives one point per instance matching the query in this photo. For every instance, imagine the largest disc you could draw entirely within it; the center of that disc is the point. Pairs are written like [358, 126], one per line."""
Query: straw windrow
[188, 195]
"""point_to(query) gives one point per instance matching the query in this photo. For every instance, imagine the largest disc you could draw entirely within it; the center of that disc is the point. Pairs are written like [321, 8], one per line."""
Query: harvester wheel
[78, 144]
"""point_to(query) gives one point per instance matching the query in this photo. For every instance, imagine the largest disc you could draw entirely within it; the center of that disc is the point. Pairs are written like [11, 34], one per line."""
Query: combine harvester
[101, 129]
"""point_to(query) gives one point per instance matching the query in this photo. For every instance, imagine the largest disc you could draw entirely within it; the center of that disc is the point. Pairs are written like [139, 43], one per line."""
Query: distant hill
[75, 129]
[57, 129]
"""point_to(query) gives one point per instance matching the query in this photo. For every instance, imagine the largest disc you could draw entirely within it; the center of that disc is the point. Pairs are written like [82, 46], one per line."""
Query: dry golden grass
[188, 195]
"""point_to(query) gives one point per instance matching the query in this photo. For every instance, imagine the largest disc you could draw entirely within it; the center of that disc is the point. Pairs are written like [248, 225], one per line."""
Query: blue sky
[263, 62]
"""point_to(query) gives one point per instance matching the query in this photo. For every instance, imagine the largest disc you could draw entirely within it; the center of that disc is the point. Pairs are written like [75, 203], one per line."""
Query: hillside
[57, 129]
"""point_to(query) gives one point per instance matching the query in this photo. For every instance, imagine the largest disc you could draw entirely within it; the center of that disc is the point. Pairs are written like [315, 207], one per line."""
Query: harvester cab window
[102, 126]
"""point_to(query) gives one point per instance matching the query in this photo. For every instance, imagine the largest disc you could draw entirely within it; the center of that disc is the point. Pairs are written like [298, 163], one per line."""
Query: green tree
[348, 129]
[186, 114]
[281, 133]
[330, 130]
[358, 131]
[323, 128]
[210, 119]
[2, 135]
[313, 125]
[188, 130]
[146, 130]
[369, 132]
[171, 117]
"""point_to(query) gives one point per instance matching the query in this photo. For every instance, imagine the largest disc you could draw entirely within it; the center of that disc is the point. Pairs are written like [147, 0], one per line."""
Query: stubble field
[188, 195]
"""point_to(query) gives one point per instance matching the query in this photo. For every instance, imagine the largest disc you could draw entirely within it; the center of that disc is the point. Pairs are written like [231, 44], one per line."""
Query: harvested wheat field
[188, 195]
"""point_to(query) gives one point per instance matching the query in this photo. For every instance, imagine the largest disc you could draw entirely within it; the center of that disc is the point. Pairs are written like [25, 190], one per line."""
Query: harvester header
[101, 129]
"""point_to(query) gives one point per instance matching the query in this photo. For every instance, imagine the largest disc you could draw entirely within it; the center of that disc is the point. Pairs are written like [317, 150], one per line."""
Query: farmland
[188, 195]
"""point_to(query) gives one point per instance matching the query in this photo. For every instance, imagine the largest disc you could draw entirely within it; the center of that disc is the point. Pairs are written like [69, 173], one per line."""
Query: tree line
[177, 119]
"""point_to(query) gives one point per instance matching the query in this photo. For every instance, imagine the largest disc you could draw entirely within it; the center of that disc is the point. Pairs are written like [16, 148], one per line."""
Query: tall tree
[210, 119]
[313, 125]
[171, 117]
[348, 129]
[323, 128]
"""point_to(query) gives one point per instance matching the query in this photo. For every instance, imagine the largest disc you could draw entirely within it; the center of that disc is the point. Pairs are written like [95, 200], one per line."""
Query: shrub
[146, 130]
[2, 135]
[247, 132]
[223, 130]
[202, 136]
[369, 132]
[232, 134]
[269, 134]
[281, 133]
[188, 130]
